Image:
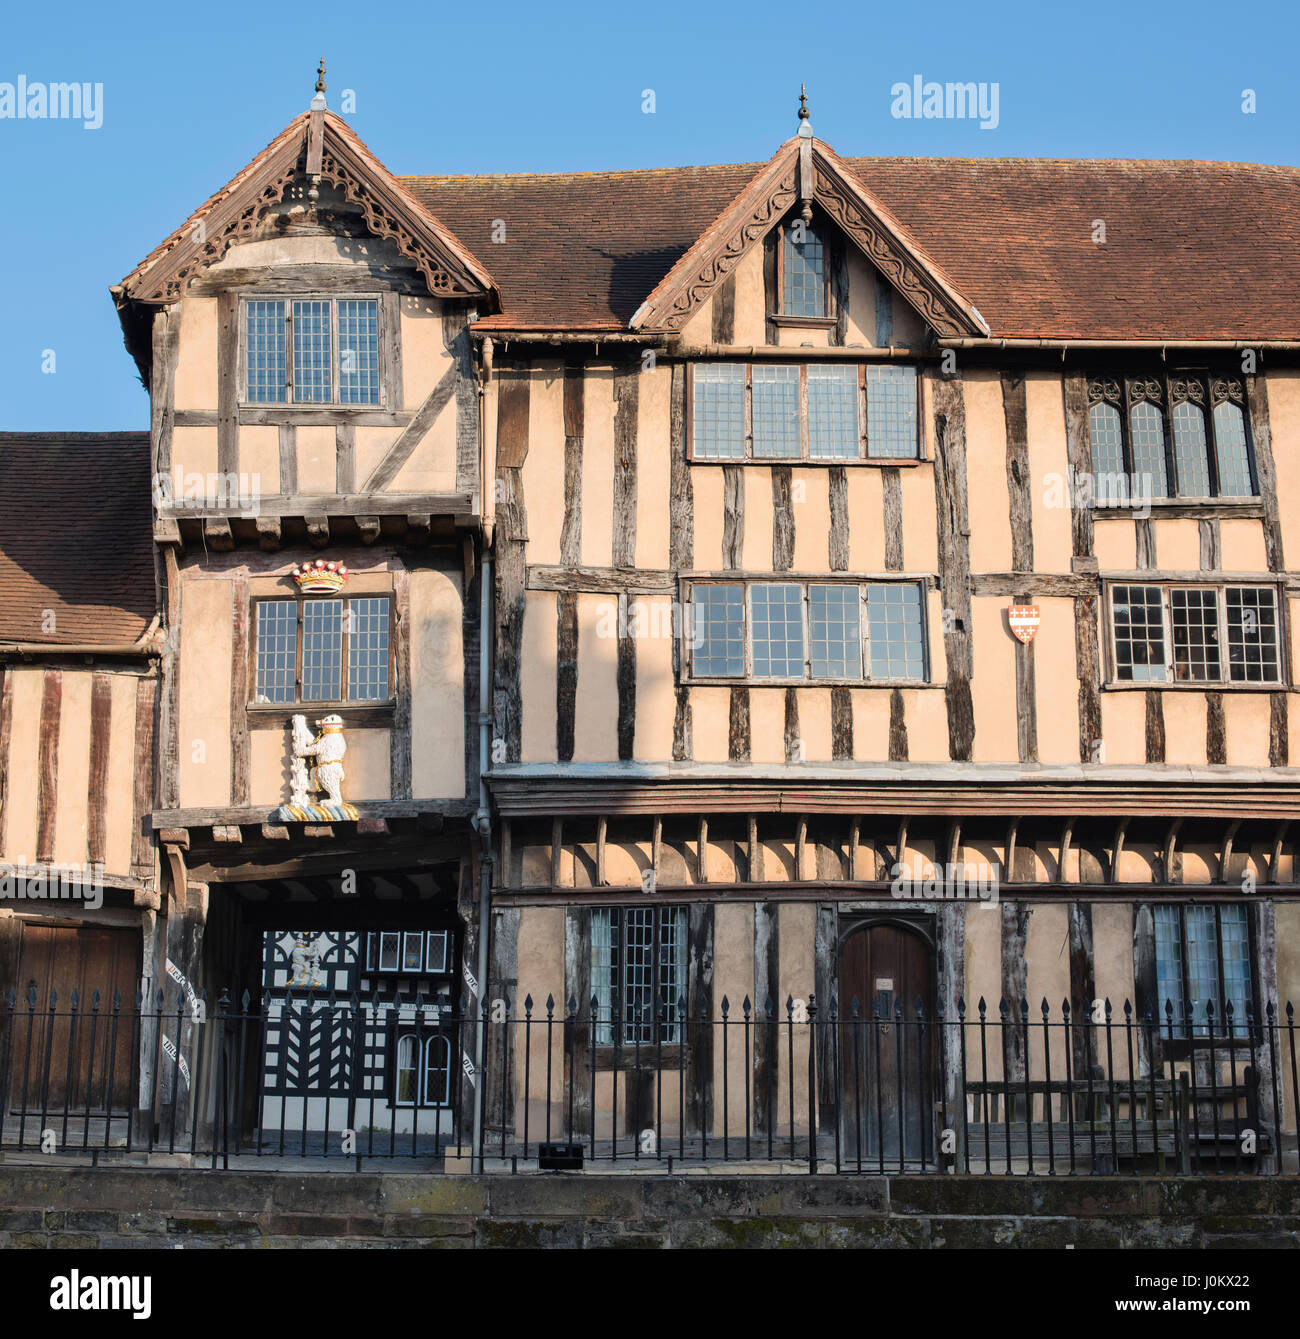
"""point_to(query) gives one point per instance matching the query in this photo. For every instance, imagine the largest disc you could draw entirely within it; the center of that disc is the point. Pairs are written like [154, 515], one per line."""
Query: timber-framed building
[849, 583]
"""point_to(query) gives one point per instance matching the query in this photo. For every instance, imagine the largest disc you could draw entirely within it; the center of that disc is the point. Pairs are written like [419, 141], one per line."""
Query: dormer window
[803, 266]
[320, 351]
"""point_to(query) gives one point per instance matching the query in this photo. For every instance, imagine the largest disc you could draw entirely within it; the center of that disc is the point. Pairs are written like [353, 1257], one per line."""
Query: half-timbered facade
[822, 587]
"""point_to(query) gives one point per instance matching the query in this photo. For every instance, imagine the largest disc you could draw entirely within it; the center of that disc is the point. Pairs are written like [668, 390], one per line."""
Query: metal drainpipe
[483, 825]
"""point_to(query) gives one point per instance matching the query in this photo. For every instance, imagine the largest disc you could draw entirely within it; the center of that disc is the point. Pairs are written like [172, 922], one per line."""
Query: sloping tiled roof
[75, 537]
[1193, 251]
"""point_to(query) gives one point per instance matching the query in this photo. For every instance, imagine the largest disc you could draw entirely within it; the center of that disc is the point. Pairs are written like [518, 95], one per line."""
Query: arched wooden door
[886, 1065]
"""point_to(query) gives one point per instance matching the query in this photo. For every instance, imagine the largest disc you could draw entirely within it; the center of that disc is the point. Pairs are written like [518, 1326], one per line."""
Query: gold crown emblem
[320, 577]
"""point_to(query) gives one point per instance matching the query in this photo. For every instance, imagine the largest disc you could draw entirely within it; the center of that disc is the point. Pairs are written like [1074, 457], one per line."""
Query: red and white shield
[1023, 619]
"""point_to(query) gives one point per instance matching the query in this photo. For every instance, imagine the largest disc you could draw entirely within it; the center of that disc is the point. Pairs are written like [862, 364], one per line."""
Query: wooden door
[885, 1062]
[89, 1056]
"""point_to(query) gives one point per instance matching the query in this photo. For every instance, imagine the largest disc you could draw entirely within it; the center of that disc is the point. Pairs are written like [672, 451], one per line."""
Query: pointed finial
[805, 125]
[318, 102]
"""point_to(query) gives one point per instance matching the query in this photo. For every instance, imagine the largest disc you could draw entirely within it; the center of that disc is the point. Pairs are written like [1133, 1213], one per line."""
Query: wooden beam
[557, 851]
[1173, 866]
[240, 746]
[1063, 851]
[368, 529]
[419, 528]
[227, 833]
[217, 534]
[891, 484]
[268, 533]
[782, 519]
[656, 846]
[382, 476]
[47, 775]
[702, 850]
[1117, 848]
[837, 543]
[101, 708]
[1275, 858]
[146, 765]
[1225, 857]
[275, 832]
[1009, 850]
[318, 530]
[399, 737]
[954, 557]
[626, 382]
[601, 828]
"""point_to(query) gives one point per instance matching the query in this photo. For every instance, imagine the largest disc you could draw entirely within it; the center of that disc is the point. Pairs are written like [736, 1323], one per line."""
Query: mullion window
[1187, 433]
[1211, 635]
[312, 350]
[341, 650]
[776, 631]
[804, 411]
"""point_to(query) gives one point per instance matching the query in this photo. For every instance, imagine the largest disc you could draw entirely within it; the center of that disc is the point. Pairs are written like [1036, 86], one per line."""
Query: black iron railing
[515, 1085]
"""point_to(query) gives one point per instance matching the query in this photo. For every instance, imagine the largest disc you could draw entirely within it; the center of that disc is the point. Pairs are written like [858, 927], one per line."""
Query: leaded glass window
[326, 650]
[804, 263]
[638, 968]
[312, 351]
[1203, 961]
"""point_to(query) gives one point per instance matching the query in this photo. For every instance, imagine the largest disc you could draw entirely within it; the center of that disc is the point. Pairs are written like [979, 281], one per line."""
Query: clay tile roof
[1194, 250]
[75, 537]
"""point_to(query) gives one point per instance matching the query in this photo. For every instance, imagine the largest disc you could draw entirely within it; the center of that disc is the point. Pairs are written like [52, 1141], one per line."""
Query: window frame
[804, 458]
[1220, 588]
[748, 581]
[373, 953]
[1183, 1043]
[604, 1051]
[1166, 391]
[289, 404]
[357, 707]
[777, 312]
[421, 1034]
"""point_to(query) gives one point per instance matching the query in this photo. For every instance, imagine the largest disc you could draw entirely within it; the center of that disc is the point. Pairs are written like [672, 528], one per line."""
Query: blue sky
[191, 93]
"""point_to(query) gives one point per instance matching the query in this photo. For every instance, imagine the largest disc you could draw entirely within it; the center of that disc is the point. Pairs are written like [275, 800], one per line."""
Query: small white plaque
[884, 983]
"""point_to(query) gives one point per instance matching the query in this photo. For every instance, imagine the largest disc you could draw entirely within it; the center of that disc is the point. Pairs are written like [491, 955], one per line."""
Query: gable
[806, 170]
[316, 147]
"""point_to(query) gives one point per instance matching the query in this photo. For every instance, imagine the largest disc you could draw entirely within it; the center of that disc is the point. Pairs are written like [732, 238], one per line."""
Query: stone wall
[151, 1208]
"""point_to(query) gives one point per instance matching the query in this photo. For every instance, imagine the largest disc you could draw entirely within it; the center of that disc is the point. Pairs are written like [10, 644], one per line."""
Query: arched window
[407, 1066]
[423, 1071]
[437, 1072]
[803, 262]
[1234, 455]
[1191, 456]
[1107, 452]
[1147, 436]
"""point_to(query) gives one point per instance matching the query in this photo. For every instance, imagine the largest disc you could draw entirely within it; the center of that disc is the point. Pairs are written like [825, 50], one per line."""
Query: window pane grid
[1137, 614]
[776, 412]
[891, 411]
[368, 624]
[322, 650]
[277, 651]
[312, 356]
[1252, 634]
[1232, 453]
[778, 632]
[1147, 437]
[719, 411]
[358, 351]
[776, 641]
[803, 261]
[264, 328]
[1191, 456]
[1107, 448]
[834, 630]
[895, 632]
[833, 413]
[1194, 616]
[718, 630]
